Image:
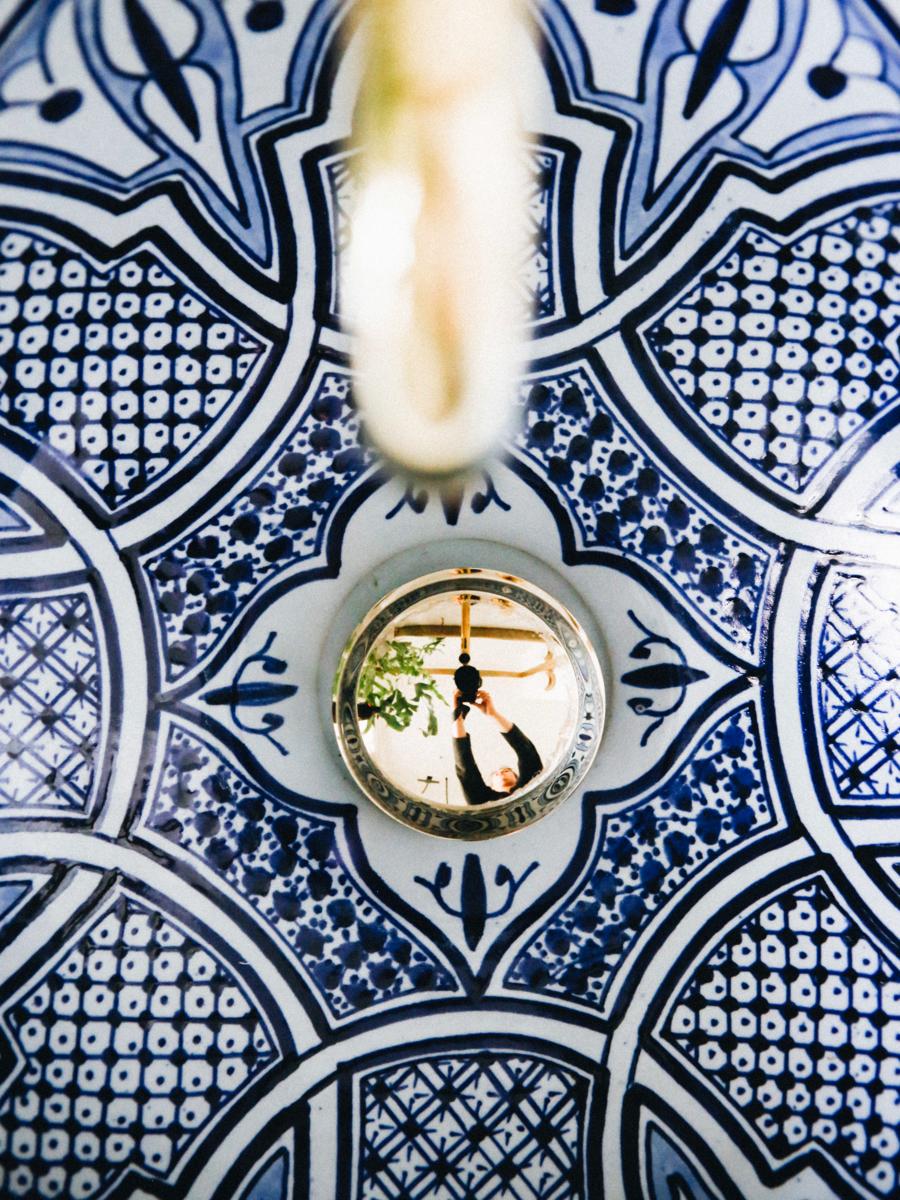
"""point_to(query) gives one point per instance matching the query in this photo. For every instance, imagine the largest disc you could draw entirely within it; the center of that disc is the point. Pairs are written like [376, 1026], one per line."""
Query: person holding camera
[504, 780]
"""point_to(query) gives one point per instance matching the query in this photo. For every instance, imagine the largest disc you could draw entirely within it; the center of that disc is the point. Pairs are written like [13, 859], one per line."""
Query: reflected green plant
[394, 684]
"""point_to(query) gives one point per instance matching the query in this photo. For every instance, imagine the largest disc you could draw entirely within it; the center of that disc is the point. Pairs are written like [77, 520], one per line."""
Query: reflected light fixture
[437, 230]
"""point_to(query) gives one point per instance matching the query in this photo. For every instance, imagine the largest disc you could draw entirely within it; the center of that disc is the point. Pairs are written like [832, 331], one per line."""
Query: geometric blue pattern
[709, 249]
[784, 351]
[279, 521]
[625, 502]
[133, 1041]
[289, 867]
[645, 856]
[858, 680]
[542, 273]
[795, 1019]
[471, 1128]
[118, 373]
[50, 702]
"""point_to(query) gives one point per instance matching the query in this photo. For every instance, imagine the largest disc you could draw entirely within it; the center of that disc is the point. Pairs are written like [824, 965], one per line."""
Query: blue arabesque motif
[645, 855]
[289, 866]
[223, 973]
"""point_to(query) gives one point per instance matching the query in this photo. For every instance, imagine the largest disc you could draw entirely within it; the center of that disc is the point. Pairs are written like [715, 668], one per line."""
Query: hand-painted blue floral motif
[794, 1019]
[289, 866]
[625, 502]
[147, 98]
[279, 521]
[474, 910]
[480, 494]
[245, 692]
[645, 855]
[709, 427]
[668, 675]
[754, 84]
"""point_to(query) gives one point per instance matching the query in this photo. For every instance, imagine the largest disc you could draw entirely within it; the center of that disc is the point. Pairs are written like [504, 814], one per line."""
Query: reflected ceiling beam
[475, 631]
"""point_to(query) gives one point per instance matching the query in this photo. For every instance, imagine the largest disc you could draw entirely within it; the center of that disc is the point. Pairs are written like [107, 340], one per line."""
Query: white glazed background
[389, 1017]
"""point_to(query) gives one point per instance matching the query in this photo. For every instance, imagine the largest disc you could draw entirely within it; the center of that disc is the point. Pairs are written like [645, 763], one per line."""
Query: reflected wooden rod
[465, 605]
[433, 263]
[496, 632]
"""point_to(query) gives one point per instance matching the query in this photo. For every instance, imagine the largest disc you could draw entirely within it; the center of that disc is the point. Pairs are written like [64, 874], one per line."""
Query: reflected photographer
[504, 780]
[415, 671]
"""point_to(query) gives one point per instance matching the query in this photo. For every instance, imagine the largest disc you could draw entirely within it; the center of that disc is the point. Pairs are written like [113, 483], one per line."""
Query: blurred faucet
[434, 297]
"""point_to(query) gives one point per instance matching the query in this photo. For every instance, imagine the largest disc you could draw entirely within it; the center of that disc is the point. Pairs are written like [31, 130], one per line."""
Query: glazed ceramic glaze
[225, 973]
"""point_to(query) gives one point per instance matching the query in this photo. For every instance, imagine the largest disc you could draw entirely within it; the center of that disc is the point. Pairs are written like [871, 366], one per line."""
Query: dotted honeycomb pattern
[646, 855]
[795, 1018]
[859, 685]
[786, 351]
[117, 373]
[288, 866]
[622, 500]
[277, 522]
[132, 1043]
[472, 1127]
[50, 702]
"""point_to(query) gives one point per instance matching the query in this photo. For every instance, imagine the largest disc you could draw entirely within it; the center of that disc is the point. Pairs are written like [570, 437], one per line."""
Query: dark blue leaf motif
[273, 666]
[713, 54]
[473, 908]
[672, 677]
[252, 694]
[256, 693]
[451, 498]
[162, 67]
[663, 676]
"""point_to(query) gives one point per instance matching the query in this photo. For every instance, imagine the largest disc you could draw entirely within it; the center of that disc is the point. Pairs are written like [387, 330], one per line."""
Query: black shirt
[474, 788]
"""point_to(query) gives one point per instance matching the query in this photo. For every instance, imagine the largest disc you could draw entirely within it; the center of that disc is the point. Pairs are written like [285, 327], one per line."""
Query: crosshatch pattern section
[50, 702]
[474, 1127]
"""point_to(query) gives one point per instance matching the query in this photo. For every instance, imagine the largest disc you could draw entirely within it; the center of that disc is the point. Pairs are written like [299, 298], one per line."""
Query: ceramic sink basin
[226, 974]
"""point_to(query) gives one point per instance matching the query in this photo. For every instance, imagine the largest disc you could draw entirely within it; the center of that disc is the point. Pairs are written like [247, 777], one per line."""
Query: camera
[468, 683]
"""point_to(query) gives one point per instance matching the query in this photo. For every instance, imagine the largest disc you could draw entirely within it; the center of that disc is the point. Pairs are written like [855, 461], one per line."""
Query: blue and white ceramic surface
[224, 973]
